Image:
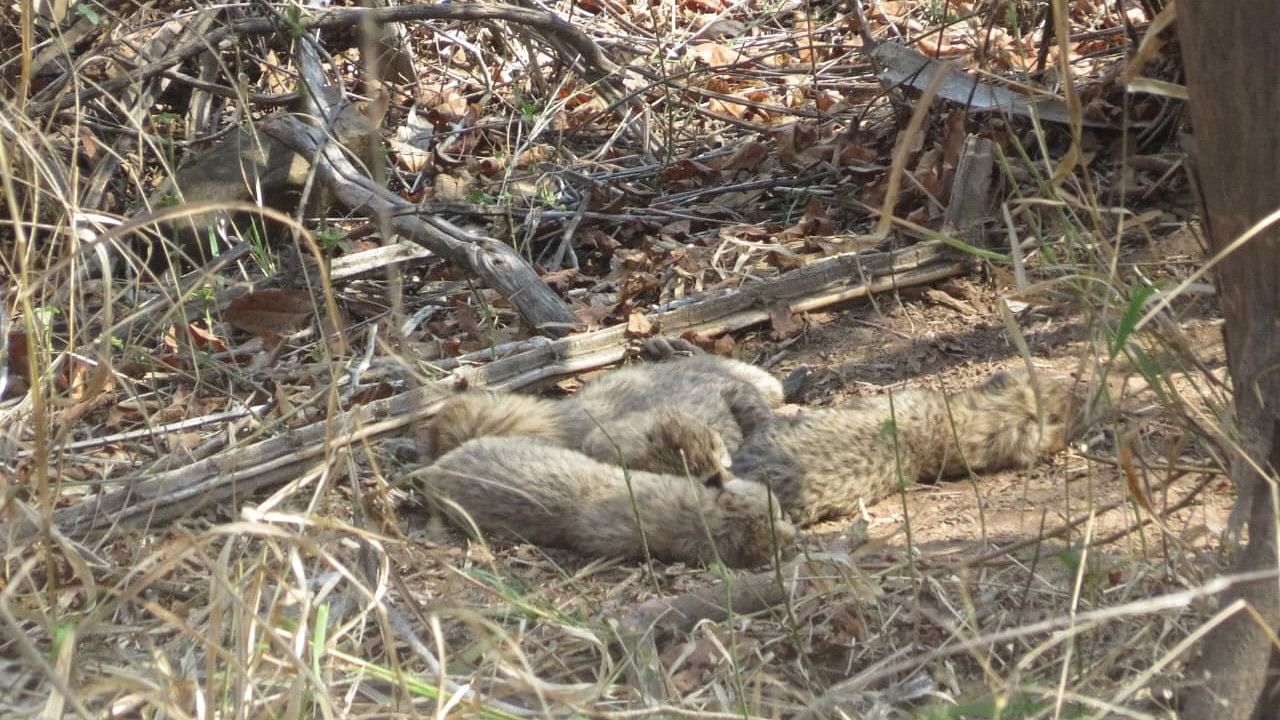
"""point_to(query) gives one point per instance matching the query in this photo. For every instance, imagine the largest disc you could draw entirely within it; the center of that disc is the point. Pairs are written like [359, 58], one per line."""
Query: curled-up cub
[731, 397]
[683, 416]
[520, 488]
[667, 440]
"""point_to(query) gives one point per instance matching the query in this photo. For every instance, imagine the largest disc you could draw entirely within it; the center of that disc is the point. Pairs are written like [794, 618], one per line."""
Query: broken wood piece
[744, 595]
[494, 263]
[172, 493]
[238, 471]
[905, 65]
[970, 191]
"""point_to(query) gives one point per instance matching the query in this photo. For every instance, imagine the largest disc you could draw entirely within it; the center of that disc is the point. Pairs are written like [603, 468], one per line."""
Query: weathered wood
[495, 263]
[159, 497]
[1232, 61]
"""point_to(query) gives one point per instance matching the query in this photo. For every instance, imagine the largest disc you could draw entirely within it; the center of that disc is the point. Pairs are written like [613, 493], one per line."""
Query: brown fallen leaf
[270, 313]
[193, 335]
[814, 223]
[688, 171]
[717, 55]
[746, 157]
[593, 316]
[638, 325]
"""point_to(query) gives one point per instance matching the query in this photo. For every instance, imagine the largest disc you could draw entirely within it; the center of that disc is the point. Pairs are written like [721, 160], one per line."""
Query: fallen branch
[745, 595]
[241, 470]
[495, 263]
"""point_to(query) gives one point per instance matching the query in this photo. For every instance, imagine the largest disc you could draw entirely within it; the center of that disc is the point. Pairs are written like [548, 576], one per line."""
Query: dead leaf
[193, 335]
[684, 170]
[724, 345]
[815, 223]
[17, 360]
[370, 393]
[270, 312]
[784, 259]
[947, 47]
[450, 188]
[593, 316]
[725, 107]
[638, 325]
[953, 137]
[705, 6]
[746, 157]
[275, 78]
[560, 280]
[717, 55]
[449, 108]
[411, 144]
[849, 151]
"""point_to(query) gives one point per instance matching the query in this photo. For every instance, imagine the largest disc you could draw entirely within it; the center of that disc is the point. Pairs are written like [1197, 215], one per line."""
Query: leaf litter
[780, 133]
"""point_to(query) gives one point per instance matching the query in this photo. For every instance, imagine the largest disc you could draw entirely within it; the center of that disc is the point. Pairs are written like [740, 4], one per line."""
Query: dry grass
[328, 597]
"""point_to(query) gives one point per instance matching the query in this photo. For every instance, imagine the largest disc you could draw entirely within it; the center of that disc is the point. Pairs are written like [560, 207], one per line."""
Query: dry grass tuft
[308, 587]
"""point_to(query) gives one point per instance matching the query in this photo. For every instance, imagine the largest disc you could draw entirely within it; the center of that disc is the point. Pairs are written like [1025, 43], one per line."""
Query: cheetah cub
[731, 397]
[668, 440]
[821, 462]
[520, 488]
[681, 416]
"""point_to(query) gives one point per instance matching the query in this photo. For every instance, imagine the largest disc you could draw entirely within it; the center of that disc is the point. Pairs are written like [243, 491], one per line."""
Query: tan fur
[668, 441]
[475, 414]
[731, 397]
[682, 417]
[822, 462]
[522, 489]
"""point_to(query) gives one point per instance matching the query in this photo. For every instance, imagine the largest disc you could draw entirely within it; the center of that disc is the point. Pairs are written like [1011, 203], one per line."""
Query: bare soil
[909, 581]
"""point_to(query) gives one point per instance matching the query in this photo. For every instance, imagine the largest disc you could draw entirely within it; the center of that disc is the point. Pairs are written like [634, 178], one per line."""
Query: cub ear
[716, 480]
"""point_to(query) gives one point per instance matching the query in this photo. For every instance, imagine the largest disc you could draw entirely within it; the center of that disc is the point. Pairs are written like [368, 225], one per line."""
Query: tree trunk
[1232, 59]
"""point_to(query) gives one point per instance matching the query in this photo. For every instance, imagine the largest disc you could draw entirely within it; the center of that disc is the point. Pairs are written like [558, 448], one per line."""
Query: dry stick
[170, 494]
[746, 595]
[496, 263]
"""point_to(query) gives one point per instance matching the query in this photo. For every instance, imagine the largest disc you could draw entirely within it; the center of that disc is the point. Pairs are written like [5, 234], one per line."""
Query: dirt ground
[950, 337]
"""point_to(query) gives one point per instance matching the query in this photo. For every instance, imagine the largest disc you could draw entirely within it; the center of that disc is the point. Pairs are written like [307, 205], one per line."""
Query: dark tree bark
[1232, 56]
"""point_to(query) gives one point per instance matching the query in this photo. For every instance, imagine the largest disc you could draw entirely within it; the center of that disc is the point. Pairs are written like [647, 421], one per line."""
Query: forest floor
[274, 567]
[911, 584]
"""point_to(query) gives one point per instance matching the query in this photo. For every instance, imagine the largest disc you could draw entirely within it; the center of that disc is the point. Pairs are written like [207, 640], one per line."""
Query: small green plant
[293, 18]
[45, 314]
[333, 238]
[165, 118]
[86, 11]
[479, 197]
[260, 249]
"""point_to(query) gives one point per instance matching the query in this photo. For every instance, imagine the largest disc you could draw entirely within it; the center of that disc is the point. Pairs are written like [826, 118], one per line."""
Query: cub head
[681, 444]
[1030, 424]
[747, 523]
